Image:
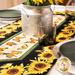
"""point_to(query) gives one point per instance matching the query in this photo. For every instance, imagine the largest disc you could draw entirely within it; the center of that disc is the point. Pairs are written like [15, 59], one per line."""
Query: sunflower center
[47, 55]
[13, 71]
[74, 24]
[66, 33]
[40, 65]
[70, 28]
[51, 48]
[36, 69]
[1, 32]
[9, 28]
[62, 38]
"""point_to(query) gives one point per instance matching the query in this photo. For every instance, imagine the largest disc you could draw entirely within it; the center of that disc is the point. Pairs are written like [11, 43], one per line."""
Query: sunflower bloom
[6, 65]
[61, 38]
[67, 34]
[13, 70]
[48, 48]
[48, 56]
[38, 67]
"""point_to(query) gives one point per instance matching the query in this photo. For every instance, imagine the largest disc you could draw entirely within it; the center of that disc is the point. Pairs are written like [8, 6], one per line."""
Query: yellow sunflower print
[48, 48]
[13, 70]
[10, 28]
[48, 56]
[69, 28]
[2, 49]
[72, 24]
[4, 32]
[66, 34]
[6, 65]
[40, 65]
[61, 38]
[2, 36]
[34, 70]
[17, 24]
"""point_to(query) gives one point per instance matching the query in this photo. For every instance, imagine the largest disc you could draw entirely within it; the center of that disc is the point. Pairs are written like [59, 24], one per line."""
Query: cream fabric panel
[4, 4]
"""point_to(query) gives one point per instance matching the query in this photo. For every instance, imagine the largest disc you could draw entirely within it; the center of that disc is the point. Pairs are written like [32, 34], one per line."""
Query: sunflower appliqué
[38, 67]
[13, 70]
[10, 43]
[16, 52]
[9, 55]
[31, 40]
[48, 56]
[61, 38]
[18, 38]
[48, 48]
[24, 46]
[66, 34]
[2, 49]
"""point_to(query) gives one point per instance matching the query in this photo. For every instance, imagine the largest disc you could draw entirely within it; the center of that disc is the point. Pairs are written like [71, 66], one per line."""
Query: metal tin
[37, 20]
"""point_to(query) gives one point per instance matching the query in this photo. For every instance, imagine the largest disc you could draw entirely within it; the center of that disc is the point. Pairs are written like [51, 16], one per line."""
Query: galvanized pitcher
[37, 20]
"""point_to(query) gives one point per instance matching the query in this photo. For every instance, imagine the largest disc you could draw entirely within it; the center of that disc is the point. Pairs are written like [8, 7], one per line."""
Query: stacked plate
[10, 14]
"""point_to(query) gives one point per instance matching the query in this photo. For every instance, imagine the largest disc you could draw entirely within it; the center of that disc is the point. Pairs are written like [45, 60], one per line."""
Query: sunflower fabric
[41, 2]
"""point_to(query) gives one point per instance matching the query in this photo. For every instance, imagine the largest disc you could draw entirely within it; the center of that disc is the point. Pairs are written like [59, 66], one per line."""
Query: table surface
[53, 70]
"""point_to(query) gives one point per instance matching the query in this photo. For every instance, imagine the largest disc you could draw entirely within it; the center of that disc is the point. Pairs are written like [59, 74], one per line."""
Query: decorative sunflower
[40, 65]
[72, 24]
[34, 70]
[24, 34]
[4, 32]
[61, 38]
[48, 56]
[26, 72]
[1, 53]
[69, 28]
[18, 24]
[9, 55]
[10, 28]
[66, 34]
[16, 52]
[2, 49]
[6, 65]
[18, 39]
[37, 35]
[60, 18]
[2, 36]
[13, 70]
[24, 46]
[31, 40]
[49, 48]
[11, 43]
